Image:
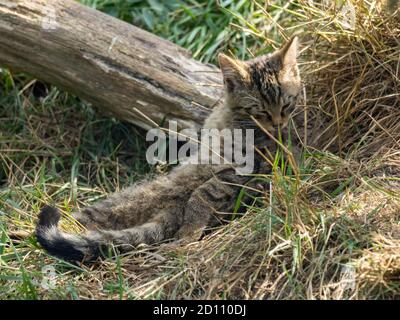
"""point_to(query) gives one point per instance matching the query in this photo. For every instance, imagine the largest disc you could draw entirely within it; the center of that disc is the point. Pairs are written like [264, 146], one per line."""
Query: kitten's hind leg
[93, 219]
[111, 212]
[215, 195]
[132, 206]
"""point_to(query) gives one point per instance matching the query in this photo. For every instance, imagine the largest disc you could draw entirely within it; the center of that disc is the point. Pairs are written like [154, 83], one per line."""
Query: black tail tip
[49, 216]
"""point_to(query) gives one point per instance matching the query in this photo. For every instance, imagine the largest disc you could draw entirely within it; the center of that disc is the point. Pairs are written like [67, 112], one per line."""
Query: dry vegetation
[330, 232]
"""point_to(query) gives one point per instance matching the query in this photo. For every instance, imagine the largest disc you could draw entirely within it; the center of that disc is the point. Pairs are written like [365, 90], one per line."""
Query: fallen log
[117, 67]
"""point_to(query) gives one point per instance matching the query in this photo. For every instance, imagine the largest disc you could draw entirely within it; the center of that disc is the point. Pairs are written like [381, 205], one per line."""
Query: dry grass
[331, 232]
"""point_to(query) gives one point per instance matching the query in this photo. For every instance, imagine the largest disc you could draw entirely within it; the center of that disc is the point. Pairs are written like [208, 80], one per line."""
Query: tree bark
[118, 67]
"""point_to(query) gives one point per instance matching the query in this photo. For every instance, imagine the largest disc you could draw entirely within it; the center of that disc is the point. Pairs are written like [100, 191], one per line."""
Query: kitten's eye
[286, 106]
[229, 85]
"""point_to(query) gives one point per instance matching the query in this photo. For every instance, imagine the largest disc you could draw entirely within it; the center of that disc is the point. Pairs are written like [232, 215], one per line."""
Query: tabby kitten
[191, 197]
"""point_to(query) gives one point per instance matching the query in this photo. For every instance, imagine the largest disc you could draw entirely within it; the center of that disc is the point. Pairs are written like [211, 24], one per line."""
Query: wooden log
[117, 67]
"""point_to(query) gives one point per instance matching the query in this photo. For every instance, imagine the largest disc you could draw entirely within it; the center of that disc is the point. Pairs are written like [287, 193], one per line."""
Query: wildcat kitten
[190, 197]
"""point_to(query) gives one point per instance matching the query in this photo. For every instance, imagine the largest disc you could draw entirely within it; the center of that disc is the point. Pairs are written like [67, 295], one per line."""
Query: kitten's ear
[235, 72]
[289, 75]
[288, 53]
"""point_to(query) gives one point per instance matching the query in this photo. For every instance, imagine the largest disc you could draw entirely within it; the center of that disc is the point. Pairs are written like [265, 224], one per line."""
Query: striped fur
[191, 197]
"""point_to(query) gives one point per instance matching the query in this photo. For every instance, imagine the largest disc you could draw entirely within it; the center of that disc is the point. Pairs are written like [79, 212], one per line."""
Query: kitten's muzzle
[274, 123]
[277, 120]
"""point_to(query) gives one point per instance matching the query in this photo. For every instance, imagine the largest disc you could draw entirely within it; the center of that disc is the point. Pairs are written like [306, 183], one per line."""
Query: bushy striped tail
[88, 247]
[68, 247]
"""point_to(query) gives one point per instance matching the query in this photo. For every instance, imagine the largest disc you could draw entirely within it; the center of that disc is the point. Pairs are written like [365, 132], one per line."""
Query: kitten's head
[266, 87]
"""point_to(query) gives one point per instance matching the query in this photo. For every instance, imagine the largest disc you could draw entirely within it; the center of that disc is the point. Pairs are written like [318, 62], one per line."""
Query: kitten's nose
[277, 120]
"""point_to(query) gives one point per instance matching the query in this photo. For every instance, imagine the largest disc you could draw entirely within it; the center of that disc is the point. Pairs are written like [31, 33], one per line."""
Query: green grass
[54, 149]
[329, 219]
[203, 27]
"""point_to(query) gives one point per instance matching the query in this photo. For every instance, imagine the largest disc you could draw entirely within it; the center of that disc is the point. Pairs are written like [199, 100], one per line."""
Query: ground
[327, 228]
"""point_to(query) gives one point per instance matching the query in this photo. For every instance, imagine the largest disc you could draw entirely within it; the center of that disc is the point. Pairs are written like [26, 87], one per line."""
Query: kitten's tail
[62, 245]
[88, 247]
